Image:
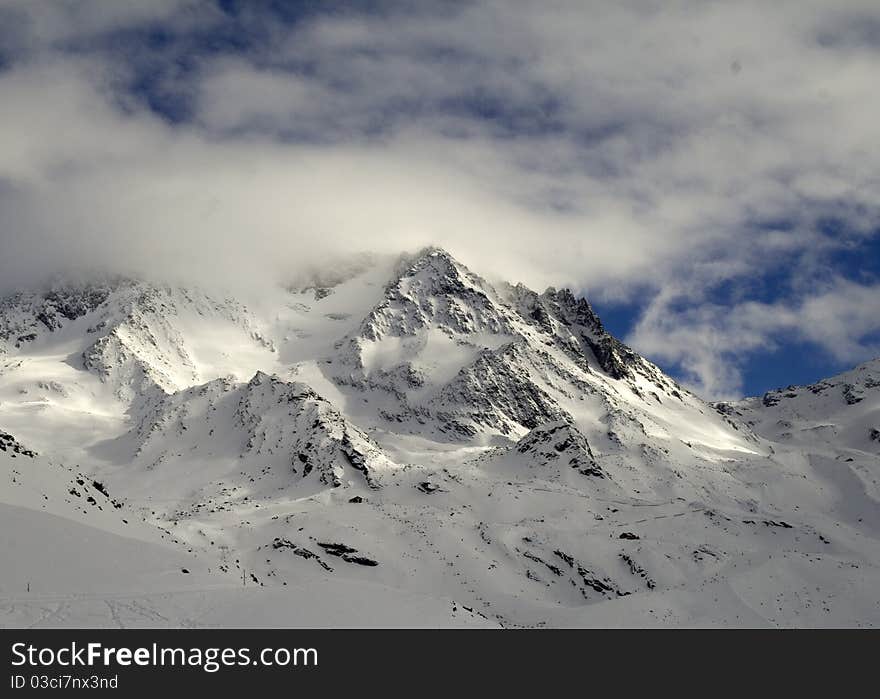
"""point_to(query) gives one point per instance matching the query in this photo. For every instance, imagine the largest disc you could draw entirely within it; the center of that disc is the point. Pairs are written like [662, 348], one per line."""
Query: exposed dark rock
[337, 549]
[560, 441]
[347, 554]
[280, 543]
[9, 444]
[552, 568]
[499, 392]
[588, 579]
[638, 570]
[852, 394]
[770, 399]
[360, 560]
[777, 523]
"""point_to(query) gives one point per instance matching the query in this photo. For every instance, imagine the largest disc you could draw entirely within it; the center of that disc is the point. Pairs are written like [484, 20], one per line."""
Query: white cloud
[712, 342]
[47, 22]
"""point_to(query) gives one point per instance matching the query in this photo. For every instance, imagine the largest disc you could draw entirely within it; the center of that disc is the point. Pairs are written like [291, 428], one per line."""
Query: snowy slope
[842, 412]
[409, 434]
[271, 434]
[74, 555]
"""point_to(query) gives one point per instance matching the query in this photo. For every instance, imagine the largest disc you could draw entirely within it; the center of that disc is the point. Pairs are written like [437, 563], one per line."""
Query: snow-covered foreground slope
[75, 556]
[410, 444]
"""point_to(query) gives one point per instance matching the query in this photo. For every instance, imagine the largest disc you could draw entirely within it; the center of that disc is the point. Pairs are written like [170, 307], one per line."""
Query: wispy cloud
[711, 342]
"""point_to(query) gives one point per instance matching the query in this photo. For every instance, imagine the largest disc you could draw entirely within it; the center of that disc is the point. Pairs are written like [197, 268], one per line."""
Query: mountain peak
[434, 289]
[433, 252]
[445, 425]
[434, 260]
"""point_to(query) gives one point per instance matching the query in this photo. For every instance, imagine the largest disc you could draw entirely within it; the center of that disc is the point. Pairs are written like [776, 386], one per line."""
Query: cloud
[90, 185]
[712, 342]
[622, 148]
[34, 26]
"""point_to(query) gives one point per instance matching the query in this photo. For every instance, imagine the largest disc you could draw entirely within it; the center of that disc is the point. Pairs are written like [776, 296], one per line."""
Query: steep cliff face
[446, 355]
[24, 316]
[278, 433]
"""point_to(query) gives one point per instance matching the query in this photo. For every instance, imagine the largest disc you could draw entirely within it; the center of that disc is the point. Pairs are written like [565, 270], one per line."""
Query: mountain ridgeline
[413, 426]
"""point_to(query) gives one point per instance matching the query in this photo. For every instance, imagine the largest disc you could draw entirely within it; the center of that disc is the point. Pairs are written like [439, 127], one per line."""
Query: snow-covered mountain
[409, 435]
[839, 414]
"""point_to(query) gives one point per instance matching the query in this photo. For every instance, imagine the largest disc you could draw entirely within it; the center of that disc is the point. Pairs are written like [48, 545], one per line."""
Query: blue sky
[706, 173]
